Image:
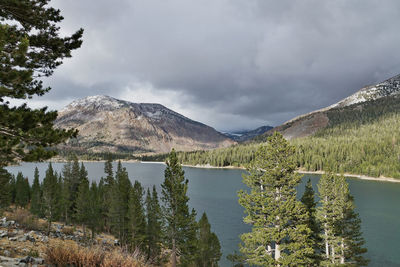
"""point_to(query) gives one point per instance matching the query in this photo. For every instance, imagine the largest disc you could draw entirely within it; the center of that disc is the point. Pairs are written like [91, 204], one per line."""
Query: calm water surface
[214, 191]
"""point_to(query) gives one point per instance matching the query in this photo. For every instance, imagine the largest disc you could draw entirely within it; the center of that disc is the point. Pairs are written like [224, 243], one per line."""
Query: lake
[214, 191]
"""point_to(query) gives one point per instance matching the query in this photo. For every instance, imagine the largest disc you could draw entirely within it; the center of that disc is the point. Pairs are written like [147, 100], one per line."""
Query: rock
[7, 253]
[10, 262]
[31, 239]
[45, 239]
[38, 261]
[116, 242]
[3, 234]
[22, 238]
[3, 221]
[27, 259]
[13, 238]
[31, 233]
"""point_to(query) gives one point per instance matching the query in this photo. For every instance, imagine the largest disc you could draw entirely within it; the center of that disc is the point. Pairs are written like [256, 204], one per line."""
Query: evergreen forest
[360, 139]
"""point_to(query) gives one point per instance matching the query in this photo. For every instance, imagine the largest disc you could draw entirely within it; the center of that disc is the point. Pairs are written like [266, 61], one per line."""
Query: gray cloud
[228, 63]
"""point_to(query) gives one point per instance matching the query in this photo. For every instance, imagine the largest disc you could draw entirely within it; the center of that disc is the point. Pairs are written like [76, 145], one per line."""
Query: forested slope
[360, 139]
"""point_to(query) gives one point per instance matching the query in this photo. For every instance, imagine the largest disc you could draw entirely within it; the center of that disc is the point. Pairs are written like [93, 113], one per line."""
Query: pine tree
[343, 241]
[180, 232]
[209, 248]
[22, 191]
[36, 201]
[118, 212]
[31, 50]
[154, 226]
[51, 196]
[5, 189]
[137, 219]
[103, 210]
[70, 186]
[83, 205]
[107, 191]
[280, 235]
[13, 189]
[65, 191]
[94, 218]
[65, 202]
[308, 199]
[74, 181]
[108, 170]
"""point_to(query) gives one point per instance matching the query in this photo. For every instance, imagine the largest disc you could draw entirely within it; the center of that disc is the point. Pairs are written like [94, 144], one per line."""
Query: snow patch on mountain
[389, 87]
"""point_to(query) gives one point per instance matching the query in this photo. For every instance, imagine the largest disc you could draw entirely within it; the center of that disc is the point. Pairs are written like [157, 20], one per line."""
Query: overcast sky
[231, 64]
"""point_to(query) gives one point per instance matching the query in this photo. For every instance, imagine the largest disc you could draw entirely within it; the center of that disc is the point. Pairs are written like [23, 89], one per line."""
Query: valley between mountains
[357, 135]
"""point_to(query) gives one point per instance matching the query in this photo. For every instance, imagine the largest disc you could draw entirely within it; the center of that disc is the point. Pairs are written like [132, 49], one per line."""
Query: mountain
[308, 124]
[108, 124]
[242, 136]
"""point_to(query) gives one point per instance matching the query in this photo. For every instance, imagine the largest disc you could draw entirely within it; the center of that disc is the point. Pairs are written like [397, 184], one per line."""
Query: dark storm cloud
[229, 63]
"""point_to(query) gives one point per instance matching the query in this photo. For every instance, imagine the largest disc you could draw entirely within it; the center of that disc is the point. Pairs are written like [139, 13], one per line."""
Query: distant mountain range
[242, 136]
[310, 123]
[107, 124]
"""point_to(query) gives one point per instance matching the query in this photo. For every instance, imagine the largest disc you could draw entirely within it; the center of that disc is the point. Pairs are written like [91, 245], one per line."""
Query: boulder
[3, 233]
[22, 238]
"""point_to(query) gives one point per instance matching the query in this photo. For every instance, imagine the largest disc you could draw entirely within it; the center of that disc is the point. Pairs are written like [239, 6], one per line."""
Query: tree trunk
[277, 245]
[342, 256]
[326, 235]
[326, 242]
[48, 227]
[173, 253]
[269, 250]
[277, 253]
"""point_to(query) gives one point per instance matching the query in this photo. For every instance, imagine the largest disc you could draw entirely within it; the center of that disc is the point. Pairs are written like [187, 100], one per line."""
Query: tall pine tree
[83, 205]
[137, 219]
[280, 235]
[180, 231]
[22, 194]
[107, 191]
[94, 219]
[308, 199]
[51, 196]
[154, 226]
[36, 199]
[209, 248]
[118, 212]
[5, 189]
[343, 241]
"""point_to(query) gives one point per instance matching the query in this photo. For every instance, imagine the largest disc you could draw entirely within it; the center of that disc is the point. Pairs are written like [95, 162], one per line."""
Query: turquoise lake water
[215, 192]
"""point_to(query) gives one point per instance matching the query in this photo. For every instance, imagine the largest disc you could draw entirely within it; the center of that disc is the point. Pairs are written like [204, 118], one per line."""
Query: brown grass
[68, 230]
[71, 254]
[26, 220]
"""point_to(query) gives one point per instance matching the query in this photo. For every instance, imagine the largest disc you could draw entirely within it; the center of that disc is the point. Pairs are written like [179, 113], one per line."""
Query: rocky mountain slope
[242, 136]
[108, 124]
[310, 123]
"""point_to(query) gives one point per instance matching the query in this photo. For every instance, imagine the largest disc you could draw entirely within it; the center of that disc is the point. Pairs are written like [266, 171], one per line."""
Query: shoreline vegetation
[208, 166]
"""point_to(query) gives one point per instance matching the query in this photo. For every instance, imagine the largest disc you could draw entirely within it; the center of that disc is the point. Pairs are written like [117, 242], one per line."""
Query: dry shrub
[68, 230]
[67, 254]
[28, 221]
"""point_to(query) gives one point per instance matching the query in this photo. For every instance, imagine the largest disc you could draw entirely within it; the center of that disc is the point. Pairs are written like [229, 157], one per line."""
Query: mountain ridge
[245, 135]
[109, 124]
[310, 123]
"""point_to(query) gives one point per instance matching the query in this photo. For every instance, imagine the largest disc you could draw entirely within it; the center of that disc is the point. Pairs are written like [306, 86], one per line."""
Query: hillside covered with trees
[360, 139]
